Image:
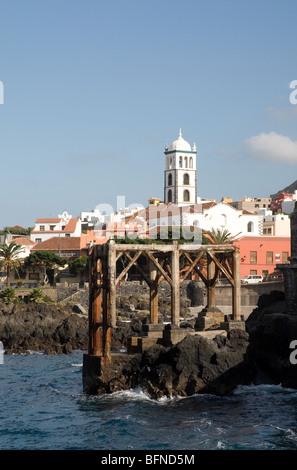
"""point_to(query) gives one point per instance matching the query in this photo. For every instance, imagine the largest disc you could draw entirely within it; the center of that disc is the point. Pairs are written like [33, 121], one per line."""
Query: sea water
[43, 407]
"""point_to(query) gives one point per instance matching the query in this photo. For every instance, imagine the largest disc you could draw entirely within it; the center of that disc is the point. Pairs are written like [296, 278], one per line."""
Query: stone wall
[250, 293]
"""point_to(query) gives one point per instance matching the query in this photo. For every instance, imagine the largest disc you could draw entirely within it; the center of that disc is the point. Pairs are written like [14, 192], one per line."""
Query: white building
[205, 216]
[276, 225]
[236, 222]
[104, 214]
[180, 176]
[62, 226]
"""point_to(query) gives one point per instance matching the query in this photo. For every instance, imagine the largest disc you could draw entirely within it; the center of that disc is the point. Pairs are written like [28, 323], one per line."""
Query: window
[41, 228]
[67, 234]
[253, 257]
[52, 227]
[277, 257]
[38, 240]
[180, 162]
[169, 196]
[186, 178]
[253, 272]
[250, 227]
[170, 179]
[186, 162]
[223, 220]
[191, 162]
[186, 196]
[34, 276]
[285, 256]
[269, 257]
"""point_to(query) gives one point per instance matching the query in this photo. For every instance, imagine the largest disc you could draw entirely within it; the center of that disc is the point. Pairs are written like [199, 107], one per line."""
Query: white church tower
[180, 176]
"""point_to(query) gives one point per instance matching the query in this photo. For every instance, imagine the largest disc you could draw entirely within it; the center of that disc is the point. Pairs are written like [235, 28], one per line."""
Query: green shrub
[8, 294]
[48, 299]
[36, 295]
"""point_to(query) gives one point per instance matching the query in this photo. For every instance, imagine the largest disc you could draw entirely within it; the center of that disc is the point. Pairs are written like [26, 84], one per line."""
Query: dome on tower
[180, 144]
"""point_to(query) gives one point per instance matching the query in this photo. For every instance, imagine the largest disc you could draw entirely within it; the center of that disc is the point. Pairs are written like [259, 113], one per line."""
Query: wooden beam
[151, 257]
[175, 286]
[95, 303]
[197, 270]
[192, 266]
[236, 304]
[135, 257]
[110, 256]
[222, 268]
[145, 277]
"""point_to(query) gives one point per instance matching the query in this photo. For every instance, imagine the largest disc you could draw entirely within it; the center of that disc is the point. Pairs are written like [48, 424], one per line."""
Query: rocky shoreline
[194, 365]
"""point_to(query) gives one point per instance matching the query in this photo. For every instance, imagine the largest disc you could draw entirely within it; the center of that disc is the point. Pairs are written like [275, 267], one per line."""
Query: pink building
[260, 255]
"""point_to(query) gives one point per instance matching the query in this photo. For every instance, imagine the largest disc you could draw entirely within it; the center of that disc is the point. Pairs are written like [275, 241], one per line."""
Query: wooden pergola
[165, 264]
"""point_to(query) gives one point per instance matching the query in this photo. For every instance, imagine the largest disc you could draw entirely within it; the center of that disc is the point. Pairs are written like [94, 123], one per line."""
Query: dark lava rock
[271, 331]
[53, 329]
[195, 294]
[194, 365]
[42, 327]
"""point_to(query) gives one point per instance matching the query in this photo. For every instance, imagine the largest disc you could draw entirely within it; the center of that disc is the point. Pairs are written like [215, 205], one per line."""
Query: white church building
[180, 178]
[182, 207]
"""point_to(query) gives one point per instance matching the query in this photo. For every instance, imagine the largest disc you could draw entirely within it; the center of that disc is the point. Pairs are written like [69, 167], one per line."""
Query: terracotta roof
[71, 226]
[44, 221]
[59, 243]
[208, 205]
[91, 236]
[245, 212]
[23, 241]
[163, 210]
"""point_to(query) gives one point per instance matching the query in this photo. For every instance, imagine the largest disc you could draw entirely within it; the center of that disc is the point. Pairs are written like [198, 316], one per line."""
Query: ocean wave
[263, 389]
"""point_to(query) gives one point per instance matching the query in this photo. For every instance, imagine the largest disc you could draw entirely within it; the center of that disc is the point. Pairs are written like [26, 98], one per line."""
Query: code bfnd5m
[169, 459]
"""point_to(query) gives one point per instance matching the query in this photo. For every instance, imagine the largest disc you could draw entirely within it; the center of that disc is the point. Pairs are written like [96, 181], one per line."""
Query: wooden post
[106, 320]
[112, 281]
[236, 291]
[211, 292]
[153, 294]
[175, 288]
[95, 330]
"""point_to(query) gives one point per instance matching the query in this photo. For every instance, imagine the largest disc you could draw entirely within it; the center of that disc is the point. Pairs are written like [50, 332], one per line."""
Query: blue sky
[93, 90]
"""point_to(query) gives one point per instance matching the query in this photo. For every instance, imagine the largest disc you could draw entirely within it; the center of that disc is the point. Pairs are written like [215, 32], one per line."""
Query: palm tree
[9, 258]
[219, 237]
